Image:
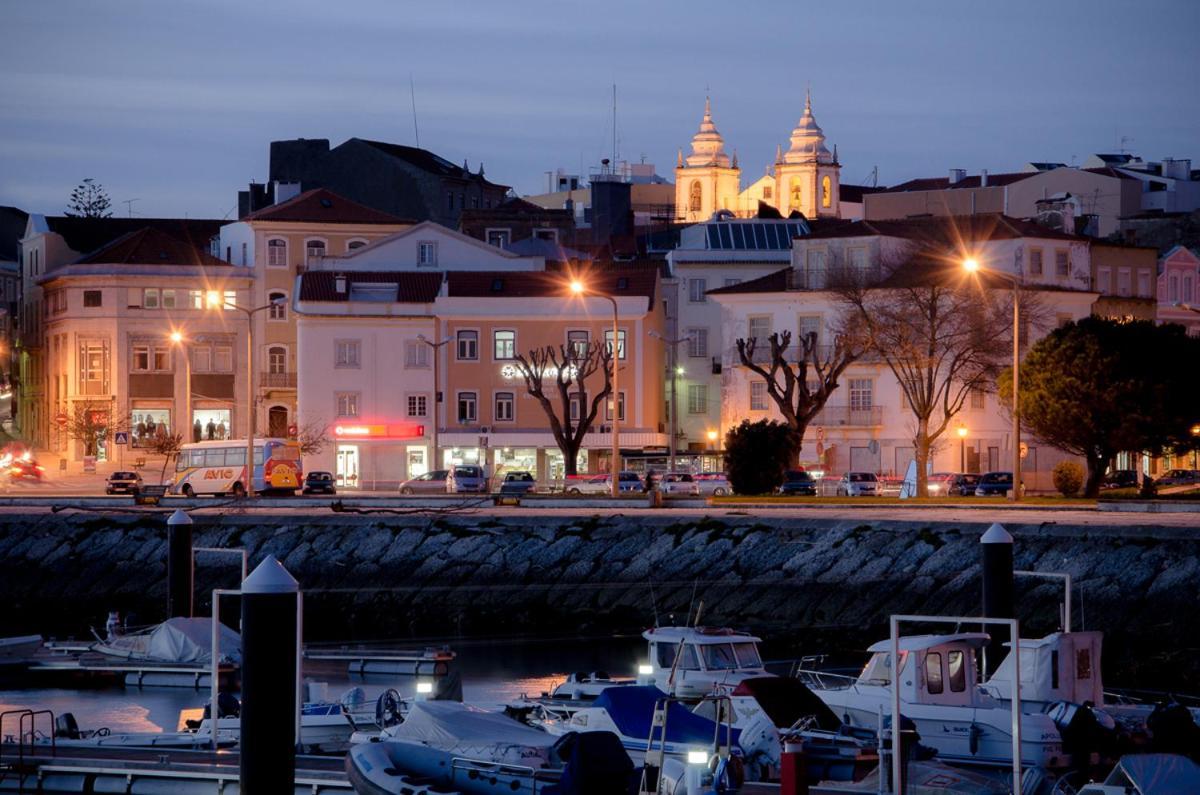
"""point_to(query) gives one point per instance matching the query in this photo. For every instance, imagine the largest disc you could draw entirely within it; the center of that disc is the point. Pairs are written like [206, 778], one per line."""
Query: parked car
[995, 484]
[318, 483]
[962, 485]
[600, 484]
[467, 479]
[798, 482]
[123, 483]
[518, 483]
[713, 483]
[679, 483]
[1120, 479]
[1179, 477]
[858, 484]
[939, 483]
[430, 483]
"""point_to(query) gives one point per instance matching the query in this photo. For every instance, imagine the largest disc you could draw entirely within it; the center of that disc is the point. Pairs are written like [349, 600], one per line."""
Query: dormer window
[427, 253]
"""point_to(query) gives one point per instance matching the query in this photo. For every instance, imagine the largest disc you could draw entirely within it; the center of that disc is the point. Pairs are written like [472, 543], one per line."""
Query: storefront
[148, 423]
[375, 457]
[211, 424]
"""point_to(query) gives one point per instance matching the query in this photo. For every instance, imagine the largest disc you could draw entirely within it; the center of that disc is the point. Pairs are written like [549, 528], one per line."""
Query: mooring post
[997, 546]
[270, 623]
[179, 565]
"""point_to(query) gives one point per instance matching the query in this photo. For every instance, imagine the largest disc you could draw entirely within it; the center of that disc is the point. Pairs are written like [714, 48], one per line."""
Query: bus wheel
[188, 491]
[239, 490]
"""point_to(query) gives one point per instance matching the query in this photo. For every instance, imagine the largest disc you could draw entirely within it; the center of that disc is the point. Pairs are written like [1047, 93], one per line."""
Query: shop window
[146, 426]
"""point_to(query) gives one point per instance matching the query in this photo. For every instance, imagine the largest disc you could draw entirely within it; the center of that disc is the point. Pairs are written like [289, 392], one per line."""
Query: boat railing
[825, 680]
[539, 776]
[1127, 696]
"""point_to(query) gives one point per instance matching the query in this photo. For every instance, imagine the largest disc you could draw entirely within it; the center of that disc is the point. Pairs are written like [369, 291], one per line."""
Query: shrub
[757, 454]
[1068, 478]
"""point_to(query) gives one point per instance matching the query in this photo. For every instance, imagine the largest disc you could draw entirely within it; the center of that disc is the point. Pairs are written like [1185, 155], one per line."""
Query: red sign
[400, 430]
[61, 419]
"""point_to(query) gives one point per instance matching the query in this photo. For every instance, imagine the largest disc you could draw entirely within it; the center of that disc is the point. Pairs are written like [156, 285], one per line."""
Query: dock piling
[179, 565]
[997, 549]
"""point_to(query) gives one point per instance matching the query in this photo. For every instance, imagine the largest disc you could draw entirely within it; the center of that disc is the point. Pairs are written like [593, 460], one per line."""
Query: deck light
[697, 757]
[424, 688]
[645, 670]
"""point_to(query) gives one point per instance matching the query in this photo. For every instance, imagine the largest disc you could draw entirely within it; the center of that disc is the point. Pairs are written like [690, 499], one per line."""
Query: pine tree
[89, 200]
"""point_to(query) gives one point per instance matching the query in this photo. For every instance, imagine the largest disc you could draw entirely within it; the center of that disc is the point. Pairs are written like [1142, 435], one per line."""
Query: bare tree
[88, 423]
[940, 334]
[313, 437]
[89, 200]
[168, 445]
[556, 376]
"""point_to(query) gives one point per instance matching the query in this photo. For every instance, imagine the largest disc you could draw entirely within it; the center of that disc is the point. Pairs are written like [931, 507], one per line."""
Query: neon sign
[510, 371]
[402, 430]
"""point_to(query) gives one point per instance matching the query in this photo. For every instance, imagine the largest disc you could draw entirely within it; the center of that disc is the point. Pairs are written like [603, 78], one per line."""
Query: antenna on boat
[699, 610]
[692, 603]
[654, 605]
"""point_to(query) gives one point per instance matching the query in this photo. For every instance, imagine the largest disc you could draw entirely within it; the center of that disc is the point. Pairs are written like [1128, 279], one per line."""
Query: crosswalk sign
[121, 437]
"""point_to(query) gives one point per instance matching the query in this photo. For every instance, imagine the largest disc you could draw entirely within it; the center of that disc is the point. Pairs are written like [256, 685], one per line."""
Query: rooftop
[153, 246]
[428, 161]
[408, 287]
[946, 230]
[88, 234]
[540, 284]
[323, 206]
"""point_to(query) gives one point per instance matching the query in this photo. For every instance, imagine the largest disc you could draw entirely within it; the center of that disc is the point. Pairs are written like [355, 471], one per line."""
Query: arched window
[278, 311]
[313, 249]
[276, 360]
[354, 245]
[694, 198]
[795, 196]
[277, 253]
[826, 191]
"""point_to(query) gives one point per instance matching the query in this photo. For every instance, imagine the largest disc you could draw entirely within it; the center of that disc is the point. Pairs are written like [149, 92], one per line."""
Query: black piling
[179, 565]
[997, 547]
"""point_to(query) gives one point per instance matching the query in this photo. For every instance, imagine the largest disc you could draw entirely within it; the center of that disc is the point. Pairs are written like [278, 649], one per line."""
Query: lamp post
[437, 393]
[676, 370]
[579, 288]
[972, 266]
[177, 339]
[216, 300]
[962, 448]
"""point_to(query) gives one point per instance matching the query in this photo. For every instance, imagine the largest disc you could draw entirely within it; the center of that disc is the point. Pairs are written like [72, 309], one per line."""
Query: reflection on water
[493, 673]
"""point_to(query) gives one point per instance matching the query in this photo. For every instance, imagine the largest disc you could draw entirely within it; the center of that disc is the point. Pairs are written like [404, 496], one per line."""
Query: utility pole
[673, 369]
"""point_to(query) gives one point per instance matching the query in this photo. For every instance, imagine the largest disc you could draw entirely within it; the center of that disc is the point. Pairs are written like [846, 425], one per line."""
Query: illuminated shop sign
[510, 372]
[402, 430]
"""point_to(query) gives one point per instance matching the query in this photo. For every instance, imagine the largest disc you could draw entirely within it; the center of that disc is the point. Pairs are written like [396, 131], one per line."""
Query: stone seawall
[813, 583]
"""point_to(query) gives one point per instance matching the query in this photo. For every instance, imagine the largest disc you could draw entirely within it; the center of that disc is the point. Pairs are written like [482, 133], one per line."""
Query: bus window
[235, 456]
[283, 452]
[258, 456]
[197, 458]
[214, 457]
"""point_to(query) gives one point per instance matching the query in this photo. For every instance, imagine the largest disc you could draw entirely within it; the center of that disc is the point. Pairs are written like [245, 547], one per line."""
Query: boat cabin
[701, 657]
[945, 667]
[1064, 666]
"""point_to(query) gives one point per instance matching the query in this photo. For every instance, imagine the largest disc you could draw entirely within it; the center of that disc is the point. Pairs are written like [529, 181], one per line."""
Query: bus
[219, 467]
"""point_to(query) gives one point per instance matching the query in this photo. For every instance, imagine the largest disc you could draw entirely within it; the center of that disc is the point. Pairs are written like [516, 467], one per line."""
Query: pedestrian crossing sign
[121, 437]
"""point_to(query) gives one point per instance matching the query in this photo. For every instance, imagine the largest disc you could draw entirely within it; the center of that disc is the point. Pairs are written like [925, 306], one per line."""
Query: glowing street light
[962, 448]
[578, 288]
[177, 339]
[971, 264]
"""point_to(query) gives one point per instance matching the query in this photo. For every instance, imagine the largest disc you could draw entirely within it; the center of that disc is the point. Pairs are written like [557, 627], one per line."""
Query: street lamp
[962, 448]
[177, 339]
[437, 393]
[675, 370]
[972, 265]
[580, 289]
[216, 300]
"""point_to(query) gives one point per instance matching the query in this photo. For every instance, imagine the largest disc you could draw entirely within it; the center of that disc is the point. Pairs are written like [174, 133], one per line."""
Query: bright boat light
[697, 757]
[425, 688]
[645, 670]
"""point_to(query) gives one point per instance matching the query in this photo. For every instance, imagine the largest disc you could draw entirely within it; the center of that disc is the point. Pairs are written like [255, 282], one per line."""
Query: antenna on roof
[614, 145]
[129, 205]
[873, 177]
[1125, 139]
[412, 92]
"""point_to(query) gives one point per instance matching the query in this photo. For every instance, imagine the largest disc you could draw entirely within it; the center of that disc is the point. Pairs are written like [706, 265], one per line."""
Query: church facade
[804, 179]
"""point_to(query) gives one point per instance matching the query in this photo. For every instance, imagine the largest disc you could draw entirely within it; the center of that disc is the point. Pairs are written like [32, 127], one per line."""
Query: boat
[325, 726]
[183, 641]
[473, 751]
[1149, 774]
[67, 734]
[939, 692]
[694, 662]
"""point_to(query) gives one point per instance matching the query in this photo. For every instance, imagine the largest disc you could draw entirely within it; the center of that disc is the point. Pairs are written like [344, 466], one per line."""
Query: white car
[713, 483]
[679, 483]
[600, 484]
[858, 484]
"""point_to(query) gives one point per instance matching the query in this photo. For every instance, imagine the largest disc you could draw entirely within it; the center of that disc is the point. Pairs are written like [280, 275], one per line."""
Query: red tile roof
[323, 206]
[776, 282]
[411, 287]
[153, 246]
[946, 230]
[88, 234]
[541, 284]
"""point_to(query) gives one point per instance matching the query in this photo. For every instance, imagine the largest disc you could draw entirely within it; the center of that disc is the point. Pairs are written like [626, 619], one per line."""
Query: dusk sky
[174, 103]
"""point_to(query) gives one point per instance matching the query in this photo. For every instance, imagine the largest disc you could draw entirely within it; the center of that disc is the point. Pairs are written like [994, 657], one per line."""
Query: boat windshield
[665, 653]
[747, 655]
[718, 656]
[878, 670]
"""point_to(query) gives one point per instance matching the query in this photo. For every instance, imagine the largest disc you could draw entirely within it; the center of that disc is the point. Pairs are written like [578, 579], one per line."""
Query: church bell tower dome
[808, 140]
[708, 147]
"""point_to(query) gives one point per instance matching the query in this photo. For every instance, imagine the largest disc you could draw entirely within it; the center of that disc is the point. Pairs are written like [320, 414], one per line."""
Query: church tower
[807, 174]
[706, 180]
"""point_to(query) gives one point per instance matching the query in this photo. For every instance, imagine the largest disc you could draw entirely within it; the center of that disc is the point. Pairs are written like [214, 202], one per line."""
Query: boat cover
[1151, 774]
[928, 778]
[632, 708]
[474, 733]
[786, 700]
[176, 640]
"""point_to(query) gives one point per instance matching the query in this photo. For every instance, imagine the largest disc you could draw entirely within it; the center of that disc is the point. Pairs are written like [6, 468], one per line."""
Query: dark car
[1120, 479]
[798, 482]
[1179, 477]
[518, 483]
[319, 483]
[123, 483]
[995, 484]
[962, 485]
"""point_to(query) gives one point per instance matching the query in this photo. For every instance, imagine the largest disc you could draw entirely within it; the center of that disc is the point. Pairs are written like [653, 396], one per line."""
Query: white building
[865, 425]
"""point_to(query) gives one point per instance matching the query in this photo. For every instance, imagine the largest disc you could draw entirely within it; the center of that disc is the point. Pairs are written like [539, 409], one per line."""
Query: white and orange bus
[219, 467]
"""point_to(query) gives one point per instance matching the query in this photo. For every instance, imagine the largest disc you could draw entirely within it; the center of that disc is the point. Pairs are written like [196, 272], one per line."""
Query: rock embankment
[813, 582]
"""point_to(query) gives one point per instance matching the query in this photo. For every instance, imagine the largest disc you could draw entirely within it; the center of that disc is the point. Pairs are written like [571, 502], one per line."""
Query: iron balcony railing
[277, 380]
[862, 417]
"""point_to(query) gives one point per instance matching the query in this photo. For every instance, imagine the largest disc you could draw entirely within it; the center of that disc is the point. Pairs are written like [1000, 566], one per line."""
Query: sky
[172, 105]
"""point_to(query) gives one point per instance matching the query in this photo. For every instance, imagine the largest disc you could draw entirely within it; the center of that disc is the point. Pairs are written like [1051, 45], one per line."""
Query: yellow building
[707, 180]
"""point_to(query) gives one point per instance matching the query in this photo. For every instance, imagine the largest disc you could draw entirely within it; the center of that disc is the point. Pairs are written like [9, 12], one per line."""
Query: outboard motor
[1085, 731]
[353, 700]
[65, 727]
[387, 709]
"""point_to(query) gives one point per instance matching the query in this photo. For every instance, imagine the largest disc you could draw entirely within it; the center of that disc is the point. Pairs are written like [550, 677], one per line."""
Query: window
[91, 298]
[732, 282]
[355, 245]
[695, 196]
[759, 328]
[1172, 289]
[977, 398]
[450, 202]
[196, 299]
[151, 358]
[826, 192]
[347, 404]
[608, 406]
[504, 345]
[417, 405]
[276, 253]
[1062, 262]
[696, 290]
[168, 299]
[861, 393]
[933, 672]
[278, 311]
[697, 343]
[1035, 261]
[229, 300]
[608, 342]
[546, 234]
[93, 367]
[766, 191]
[150, 298]
[794, 200]
[467, 403]
[141, 358]
[1103, 281]
[313, 250]
[1143, 284]
[202, 359]
[467, 346]
[346, 353]
[243, 255]
[758, 396]
[957, 671]
[427, 253]
[577, 342]
[498, 237]
[809, 324]
[276, 360]
[416, 354]
[222, 359]
[1123, 283]
[1187, 288]
[576, 408]
[504, 407]
[697, 398]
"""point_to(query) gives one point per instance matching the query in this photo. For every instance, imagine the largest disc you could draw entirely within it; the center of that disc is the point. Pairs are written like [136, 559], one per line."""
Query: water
[493, 673]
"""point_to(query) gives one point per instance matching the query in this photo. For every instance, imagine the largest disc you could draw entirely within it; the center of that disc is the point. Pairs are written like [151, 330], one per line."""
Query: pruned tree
[168, 445]
[313, 437]
[88, 423]
[89, 200]
[557, 377]
[939, 333]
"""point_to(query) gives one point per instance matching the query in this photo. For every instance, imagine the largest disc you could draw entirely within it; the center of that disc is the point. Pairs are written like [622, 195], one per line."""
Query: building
[651, 197]
[12, 229]
[1125, 277]
[518, 220]
[276, 243]
[402, 181]
[109, 356]
[865, 425]
[1178, 275]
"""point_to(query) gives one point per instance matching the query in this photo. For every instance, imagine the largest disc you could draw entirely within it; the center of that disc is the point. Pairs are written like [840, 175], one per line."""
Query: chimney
[983, 178]
[957, 175]
[339, 284]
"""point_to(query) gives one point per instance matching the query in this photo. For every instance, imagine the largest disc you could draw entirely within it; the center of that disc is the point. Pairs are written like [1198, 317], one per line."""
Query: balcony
[850, 416]
[277, 380]
[833, 278]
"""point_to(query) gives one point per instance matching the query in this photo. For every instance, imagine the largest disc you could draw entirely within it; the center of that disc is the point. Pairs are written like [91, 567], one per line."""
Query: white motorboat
[68, 734]
[693, 662]
[325, 726]
[939, 692]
